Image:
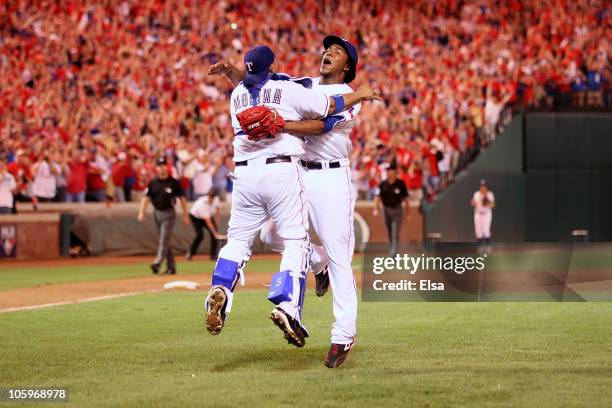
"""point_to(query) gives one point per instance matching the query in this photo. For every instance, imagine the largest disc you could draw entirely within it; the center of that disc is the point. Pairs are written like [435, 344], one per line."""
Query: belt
[313, 165]
[269, 160]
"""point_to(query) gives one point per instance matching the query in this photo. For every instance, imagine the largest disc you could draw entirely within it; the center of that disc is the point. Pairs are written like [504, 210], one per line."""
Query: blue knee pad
[225, 273]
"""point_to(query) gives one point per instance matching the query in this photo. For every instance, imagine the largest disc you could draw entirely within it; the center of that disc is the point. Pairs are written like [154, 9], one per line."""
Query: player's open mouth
[326, 61]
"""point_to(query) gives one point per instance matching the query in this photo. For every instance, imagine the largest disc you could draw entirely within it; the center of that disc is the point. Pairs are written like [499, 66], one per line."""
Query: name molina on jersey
[244, 100]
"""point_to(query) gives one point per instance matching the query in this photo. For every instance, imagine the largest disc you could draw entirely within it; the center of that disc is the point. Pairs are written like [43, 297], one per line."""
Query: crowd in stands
[92, 92]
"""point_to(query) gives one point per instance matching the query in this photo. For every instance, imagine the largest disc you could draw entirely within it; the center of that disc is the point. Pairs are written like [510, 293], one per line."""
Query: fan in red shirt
[77, 177]
[120, 171]
[96, 185]
[413, 178]
[22, 172]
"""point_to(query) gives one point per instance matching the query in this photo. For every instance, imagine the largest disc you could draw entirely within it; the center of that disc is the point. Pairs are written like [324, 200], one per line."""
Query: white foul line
[77, 301]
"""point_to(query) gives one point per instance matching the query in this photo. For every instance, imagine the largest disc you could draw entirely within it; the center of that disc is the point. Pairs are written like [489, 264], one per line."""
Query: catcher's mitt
[485, 201]
[260, 122]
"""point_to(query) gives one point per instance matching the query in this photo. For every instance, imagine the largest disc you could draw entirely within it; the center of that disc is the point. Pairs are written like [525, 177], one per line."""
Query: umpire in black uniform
[392, 194]
[162, 192]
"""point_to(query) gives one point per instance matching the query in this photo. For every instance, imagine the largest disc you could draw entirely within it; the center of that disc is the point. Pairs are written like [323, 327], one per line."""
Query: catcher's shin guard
[287, 292]
[226, 274]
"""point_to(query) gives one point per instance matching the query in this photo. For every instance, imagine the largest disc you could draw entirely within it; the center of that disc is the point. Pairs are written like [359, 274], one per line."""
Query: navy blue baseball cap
[257, 63]
[351, 51]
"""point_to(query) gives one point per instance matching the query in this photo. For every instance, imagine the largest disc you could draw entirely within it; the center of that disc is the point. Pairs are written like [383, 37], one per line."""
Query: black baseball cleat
[337, 354]
[294, 332]
[188, 256]
[155, 268]
[322, 282]
[170, 271]
[215, 314]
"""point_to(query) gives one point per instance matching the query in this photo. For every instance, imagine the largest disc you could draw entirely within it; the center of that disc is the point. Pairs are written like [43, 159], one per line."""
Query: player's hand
[220, 68]
[141, 217]
[367, 93]
[375, 212]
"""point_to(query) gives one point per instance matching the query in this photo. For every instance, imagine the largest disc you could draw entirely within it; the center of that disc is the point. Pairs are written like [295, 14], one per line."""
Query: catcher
[268, 185]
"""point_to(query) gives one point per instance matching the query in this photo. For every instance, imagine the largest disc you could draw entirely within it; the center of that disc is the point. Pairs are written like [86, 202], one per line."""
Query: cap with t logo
[257, 63]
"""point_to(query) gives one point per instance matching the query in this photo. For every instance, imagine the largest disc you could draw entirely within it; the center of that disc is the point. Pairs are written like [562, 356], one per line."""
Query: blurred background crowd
[92, 92]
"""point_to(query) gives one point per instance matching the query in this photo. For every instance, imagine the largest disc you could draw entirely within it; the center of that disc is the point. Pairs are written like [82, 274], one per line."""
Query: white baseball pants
[270, 191]
[482, 224]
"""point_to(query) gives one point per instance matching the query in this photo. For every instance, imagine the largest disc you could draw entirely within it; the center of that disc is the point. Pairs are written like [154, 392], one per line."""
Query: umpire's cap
[351, 51]
[257, 63]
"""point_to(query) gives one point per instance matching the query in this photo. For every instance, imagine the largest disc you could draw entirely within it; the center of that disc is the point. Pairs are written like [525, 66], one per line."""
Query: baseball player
[483, 202]
[328, 188]
[268, 185]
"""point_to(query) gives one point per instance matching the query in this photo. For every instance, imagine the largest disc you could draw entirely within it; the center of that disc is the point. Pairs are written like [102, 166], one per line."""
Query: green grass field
[12, 277]
[153, 351]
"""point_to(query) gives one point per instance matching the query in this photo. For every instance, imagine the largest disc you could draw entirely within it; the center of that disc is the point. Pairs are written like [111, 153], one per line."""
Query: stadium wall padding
[115, 230]
[551, 173]
[501, 165]
[30, 236]
[568, 163]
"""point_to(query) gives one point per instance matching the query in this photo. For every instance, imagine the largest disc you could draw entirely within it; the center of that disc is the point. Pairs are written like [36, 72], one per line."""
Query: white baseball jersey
[478, 197]
[7, 185]
[203, 208]
[335, 144]
[292, 101]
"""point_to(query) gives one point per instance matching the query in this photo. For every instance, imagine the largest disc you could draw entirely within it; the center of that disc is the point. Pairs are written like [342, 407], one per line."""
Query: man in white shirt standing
[202, 215]
[483, 202]
[203, 177]
[7, 187]
[45, 181]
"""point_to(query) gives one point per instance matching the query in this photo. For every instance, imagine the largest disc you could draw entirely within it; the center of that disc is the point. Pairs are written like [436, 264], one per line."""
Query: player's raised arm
[364, 93]
[232, 72]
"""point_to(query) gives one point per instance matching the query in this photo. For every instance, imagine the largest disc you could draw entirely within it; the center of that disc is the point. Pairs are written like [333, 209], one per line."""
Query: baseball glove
[260, 122]
[485, 201]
